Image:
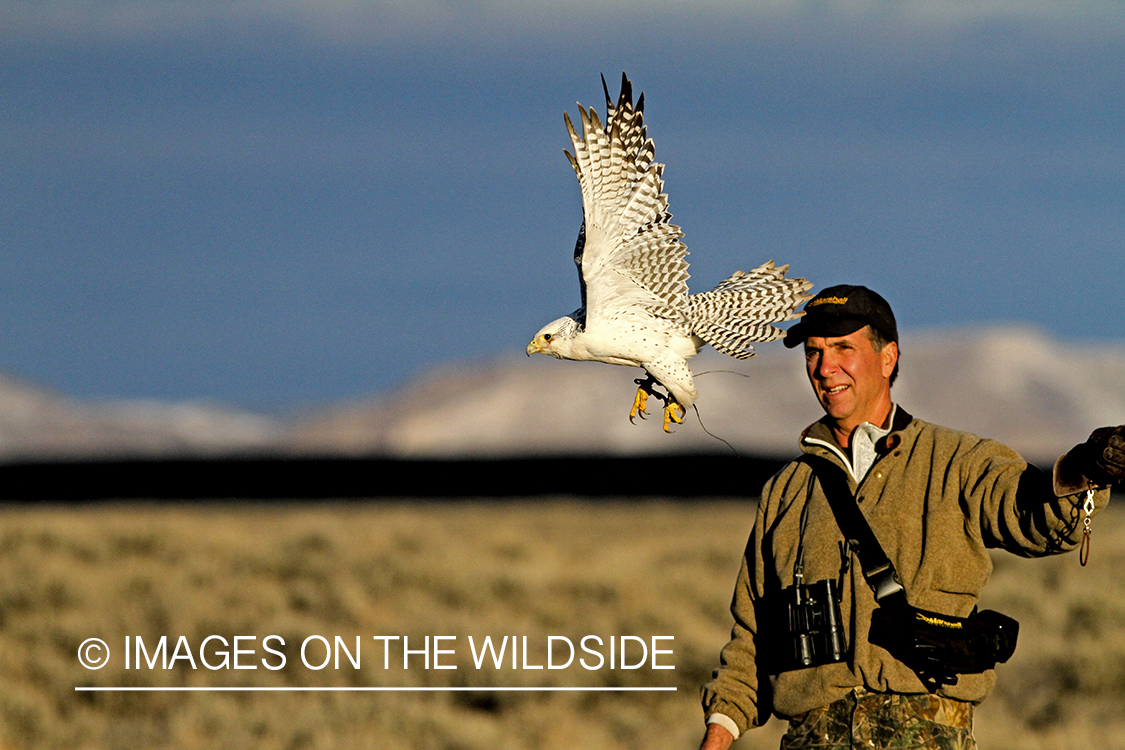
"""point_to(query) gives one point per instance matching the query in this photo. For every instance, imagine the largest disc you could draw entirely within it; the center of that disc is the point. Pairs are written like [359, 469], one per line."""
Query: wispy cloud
[389, 20]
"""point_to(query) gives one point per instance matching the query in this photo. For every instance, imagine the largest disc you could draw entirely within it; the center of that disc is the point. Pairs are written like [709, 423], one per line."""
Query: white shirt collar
[863, 441]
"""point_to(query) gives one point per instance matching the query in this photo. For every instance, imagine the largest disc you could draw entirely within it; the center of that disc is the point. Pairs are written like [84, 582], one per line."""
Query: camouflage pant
[884, 721]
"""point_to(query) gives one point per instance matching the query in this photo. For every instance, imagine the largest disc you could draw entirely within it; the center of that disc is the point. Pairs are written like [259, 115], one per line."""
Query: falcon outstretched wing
[629, 254]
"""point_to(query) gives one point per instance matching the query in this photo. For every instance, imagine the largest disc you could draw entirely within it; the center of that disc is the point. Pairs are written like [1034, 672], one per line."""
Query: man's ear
[889, 357]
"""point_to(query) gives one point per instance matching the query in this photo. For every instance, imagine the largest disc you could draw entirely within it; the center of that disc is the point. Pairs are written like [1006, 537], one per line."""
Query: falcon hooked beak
[556, 340]
[539, 345]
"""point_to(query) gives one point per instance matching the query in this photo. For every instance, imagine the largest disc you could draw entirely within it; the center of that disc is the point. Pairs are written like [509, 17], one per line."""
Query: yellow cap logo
[829, 301]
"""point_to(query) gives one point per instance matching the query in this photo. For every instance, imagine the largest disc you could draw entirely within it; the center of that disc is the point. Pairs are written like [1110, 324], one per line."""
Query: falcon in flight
[633, 271]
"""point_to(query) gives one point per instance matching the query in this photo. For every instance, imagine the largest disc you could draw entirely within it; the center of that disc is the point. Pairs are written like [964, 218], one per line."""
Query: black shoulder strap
[877, 567]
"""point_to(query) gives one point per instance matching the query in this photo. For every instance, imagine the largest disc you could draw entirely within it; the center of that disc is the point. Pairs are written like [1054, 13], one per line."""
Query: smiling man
[855, 612]
[853, 358]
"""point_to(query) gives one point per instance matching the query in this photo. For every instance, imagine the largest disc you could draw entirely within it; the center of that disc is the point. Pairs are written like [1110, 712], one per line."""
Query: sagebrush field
[535, 569]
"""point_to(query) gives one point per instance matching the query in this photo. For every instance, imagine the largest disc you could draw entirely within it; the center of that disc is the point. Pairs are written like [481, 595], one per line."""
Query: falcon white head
[556, 339]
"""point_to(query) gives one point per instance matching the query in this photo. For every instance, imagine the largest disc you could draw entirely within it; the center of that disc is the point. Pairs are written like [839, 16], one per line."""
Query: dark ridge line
[677, 476]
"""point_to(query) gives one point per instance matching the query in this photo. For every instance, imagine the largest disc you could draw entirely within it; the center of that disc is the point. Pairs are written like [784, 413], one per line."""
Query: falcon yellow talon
[670, 415]
[639, 405]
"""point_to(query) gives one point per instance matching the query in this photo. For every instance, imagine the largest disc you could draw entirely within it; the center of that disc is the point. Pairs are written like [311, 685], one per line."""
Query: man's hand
[1099, 462]
[717, 738]
[1103, 456]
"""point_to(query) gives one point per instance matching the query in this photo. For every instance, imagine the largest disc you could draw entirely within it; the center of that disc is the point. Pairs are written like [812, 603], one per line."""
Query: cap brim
[822, 326]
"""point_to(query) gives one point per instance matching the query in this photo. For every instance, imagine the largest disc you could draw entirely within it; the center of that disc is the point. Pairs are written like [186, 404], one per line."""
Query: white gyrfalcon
[633, 271]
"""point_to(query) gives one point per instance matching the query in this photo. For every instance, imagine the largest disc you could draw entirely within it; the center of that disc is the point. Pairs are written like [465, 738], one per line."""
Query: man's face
[851, 380]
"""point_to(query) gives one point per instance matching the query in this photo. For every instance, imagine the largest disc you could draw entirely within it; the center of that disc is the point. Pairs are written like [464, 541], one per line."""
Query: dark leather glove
[1100, 462]
[1102, 456]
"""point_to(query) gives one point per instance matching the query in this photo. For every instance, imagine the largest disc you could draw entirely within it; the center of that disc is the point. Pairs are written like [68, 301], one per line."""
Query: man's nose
[825, 365]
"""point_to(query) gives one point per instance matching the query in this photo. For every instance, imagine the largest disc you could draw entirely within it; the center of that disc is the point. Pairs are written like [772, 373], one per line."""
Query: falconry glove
[1099, 462]
[1105, 456]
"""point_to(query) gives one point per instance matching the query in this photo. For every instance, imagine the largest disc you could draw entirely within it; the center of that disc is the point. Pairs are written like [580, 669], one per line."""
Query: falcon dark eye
[546, 337]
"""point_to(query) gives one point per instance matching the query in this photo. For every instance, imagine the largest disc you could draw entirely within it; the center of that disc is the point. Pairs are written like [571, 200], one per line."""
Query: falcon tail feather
[741, 309]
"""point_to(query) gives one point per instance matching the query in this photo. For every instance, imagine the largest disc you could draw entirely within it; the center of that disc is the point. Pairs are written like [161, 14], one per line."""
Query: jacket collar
[818, 438]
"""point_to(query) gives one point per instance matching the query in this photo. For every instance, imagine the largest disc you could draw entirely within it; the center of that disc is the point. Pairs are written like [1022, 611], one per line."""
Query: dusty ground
[460, 569]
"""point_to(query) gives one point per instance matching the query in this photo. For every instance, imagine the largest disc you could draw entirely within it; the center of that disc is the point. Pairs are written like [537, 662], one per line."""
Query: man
[934, 499]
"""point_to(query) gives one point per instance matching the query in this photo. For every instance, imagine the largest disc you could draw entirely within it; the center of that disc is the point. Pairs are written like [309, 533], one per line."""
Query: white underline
[367, 689]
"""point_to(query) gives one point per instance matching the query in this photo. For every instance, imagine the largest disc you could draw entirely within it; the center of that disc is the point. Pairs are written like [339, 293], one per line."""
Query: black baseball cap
[841, 310]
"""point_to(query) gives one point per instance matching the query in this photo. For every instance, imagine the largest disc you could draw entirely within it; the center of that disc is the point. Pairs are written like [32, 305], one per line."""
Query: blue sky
[278, 205]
